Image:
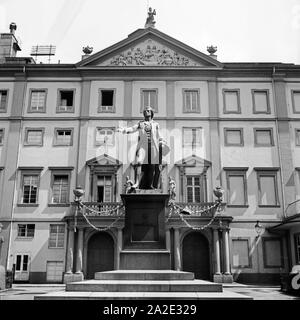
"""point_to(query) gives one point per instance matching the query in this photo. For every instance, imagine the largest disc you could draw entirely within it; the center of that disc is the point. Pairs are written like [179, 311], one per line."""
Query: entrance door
[195, 255]
[100, 254]
[22, 267]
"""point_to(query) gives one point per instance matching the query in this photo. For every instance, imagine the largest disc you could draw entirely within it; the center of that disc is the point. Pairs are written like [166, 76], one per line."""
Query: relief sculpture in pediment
[149, 54]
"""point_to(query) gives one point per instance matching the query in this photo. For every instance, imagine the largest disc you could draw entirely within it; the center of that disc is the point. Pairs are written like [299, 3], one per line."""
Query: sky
[243, 30]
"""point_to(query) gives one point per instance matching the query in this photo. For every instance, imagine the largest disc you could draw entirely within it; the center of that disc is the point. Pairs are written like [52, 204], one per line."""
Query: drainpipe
[15, 200]
[277, 138]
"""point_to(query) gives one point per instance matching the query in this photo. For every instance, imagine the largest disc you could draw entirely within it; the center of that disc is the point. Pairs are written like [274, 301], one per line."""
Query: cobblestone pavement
[27, 292]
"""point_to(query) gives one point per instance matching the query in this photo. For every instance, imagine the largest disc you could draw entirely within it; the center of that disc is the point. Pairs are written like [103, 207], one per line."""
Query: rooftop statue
[150, 19]
[150, 149]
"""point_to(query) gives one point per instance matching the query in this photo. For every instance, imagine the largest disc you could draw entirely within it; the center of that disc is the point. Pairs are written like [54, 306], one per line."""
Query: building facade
[235, 125]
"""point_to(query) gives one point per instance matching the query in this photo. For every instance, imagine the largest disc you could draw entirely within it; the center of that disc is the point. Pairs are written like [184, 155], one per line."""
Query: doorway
[100, 254]
[195, 255]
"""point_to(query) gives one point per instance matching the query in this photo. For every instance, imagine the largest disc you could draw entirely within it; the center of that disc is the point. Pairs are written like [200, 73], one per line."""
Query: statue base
[145, 214]
[144, 235]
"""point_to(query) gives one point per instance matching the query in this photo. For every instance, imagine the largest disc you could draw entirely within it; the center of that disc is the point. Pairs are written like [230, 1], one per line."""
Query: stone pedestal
[218, 278]
[73, 277]
[144, 237]
[145, 220]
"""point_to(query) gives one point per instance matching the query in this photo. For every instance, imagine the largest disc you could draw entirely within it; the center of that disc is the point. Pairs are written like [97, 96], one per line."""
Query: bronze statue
[149, 151]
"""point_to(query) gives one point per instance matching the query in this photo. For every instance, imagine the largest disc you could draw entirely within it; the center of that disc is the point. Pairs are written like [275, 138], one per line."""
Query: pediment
[104, 160]
[193, 161]
[150, 48]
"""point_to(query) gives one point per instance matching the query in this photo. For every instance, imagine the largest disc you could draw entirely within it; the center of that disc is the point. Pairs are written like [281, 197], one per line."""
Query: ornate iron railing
[202, 209]
[115, 209]
[102, 209]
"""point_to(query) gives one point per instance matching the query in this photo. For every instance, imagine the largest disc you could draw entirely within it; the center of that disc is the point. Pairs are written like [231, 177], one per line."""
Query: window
[193, 188]
[104, 189]
[57, 236]
[191, 101]
[234, 136]
[30, 185]
[297, 247]
[296, 101]
[3, 100]
[192, 137]
[263, 137]
[260, 99]
[60, 189]
[65, 101]
[149, 98]
[26, 230]
[231, 100]
[37, 101]
[1, 137]
[236, 187]
[22, 262]
[34, 136]
[106, 100]
[240, 253]
[297, 137]
[63, 137]
[105, 136]
[55, 271]
[272, 253]
[267, 188]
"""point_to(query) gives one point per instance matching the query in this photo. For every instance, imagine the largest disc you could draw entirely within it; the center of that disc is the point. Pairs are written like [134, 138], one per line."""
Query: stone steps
[77, 295]
[145, 275]
[144, 286]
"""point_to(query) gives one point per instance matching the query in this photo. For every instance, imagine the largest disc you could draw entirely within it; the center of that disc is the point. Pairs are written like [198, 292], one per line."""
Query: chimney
[9, 45]
[12, 28]
[87, 52]
[212, 50]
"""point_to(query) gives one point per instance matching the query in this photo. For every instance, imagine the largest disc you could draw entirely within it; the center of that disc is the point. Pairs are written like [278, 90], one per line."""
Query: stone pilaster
[227, 276]
[217, 275]
[79, 251]
[177, 256]
[119, 247]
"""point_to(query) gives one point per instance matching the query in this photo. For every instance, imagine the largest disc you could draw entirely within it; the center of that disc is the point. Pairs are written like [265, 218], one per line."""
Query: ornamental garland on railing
[81, 205]
[104, 212]
[175, 208]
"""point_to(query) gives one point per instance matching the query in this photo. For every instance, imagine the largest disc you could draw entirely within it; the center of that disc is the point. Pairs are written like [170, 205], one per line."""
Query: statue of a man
[150, 149]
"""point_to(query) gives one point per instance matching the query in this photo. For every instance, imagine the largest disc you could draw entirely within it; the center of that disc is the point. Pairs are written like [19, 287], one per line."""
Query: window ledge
[56, 248]
[62, 145]
[238, 206]
[65, 111]
[59, 204]
[269, 206]
[27, 204]
[24, 238]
